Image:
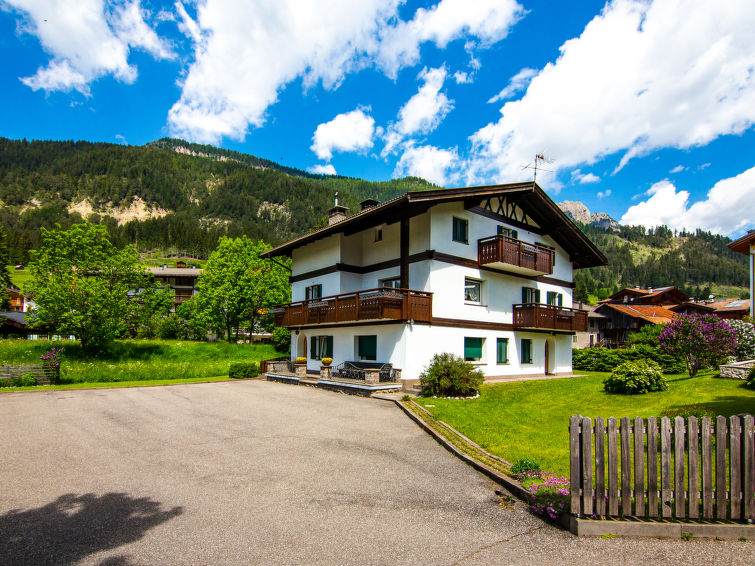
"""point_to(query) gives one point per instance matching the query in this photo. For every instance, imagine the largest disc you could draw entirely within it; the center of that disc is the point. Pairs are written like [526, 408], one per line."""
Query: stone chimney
[368, 204]
[337, 213]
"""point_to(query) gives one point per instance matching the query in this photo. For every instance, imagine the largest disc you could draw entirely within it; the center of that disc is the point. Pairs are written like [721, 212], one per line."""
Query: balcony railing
[378, 303]
[510, 252]
[536, 315]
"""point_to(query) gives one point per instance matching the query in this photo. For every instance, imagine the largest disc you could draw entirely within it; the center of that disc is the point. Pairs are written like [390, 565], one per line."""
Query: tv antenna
[539, 158]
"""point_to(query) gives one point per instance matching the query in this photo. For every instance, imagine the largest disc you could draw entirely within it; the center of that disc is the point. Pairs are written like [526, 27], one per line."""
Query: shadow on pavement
[74, 526]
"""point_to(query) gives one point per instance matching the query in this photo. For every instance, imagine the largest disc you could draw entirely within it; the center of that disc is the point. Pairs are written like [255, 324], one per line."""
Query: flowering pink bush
[702, 340]
[551, 495]
[51, 361]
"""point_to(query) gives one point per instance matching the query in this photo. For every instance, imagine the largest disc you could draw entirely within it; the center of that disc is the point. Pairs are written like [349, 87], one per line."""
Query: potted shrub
[327, 361]
[300, 366]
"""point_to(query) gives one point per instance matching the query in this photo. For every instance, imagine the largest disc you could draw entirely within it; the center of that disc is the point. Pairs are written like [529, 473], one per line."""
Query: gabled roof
[742, 245]
[702, 307]
[650, 313]
[643, 296]
[529, 196]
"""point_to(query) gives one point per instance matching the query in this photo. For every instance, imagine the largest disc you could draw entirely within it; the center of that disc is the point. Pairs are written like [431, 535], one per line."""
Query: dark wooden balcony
[370, 304]
[536, 315]
[504, 252]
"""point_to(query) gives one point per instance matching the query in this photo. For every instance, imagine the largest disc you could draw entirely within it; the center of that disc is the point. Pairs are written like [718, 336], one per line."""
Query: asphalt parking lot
[265, 473]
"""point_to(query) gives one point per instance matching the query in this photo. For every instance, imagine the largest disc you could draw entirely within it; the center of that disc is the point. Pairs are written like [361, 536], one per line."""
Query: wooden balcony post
[356, 298]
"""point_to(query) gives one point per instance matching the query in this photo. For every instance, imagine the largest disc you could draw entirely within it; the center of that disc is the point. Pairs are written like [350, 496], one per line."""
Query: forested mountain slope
[178, 196]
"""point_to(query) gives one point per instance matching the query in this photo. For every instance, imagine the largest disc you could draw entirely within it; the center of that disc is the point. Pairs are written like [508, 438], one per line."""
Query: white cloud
[678, 169]
[463, 78]
[350, 131]
[431, 163]
[583, 178]
[641, 76]
[488, 21]
[87, 40]
[603, 194]
[517, 83]
[245, 53]
[728, 208]
[423, 112]
[323, 169]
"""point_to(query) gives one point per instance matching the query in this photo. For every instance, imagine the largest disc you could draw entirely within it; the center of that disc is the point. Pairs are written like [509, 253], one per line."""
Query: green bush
[450, 376]
[6, 383]
[25, 380]
[603, 359]
[750, 383]
[525, 468]
[243, 370]
[171, 327]
[636, 377]
[281, 339]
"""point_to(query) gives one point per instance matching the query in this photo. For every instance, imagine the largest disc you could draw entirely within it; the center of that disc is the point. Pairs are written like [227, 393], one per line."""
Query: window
[473, 349]
[502, 351]
[473, 290]
[367, 348]
[393, 282]
[313, 292]
[530, 295]
[321, 347]
[378, 235]
[555, 299]
[526, 351]
[503, 231]
[460, 230]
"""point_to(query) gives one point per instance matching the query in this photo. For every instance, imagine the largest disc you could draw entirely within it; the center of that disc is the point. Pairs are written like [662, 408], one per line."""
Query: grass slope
[138, 360]
[530, 419]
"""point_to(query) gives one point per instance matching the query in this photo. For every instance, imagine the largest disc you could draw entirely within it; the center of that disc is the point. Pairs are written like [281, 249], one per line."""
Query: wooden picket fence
[631, 487]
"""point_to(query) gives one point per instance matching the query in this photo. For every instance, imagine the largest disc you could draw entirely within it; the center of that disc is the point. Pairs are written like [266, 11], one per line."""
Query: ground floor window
[367, 348]
[526, 351]
[502, 350]
[321, 347]
[473, 349]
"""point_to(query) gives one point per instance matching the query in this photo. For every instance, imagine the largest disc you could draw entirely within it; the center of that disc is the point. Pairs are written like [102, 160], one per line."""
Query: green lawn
[531, 418]
[138, 360]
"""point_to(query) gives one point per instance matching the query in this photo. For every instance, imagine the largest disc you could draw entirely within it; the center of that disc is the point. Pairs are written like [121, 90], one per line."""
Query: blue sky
[645, 109]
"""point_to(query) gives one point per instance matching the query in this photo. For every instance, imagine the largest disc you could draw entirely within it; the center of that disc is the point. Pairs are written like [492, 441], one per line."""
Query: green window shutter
[502, 350]
[313, 347]
[537, 295]
[472, 348]
[500, 230]
[560, 300]
[515, 234]
[328, 353]
[525, 295]
[526, 351]
[307, 293]
[318, 291]
[368, 347]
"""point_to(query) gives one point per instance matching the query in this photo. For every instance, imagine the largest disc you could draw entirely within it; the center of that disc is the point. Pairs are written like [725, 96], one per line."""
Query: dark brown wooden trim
[476, 324]
[423, 256]
[503, 220]
[404, 253]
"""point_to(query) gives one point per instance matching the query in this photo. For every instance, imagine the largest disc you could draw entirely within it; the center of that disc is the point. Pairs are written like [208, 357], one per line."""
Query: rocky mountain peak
[578, 212]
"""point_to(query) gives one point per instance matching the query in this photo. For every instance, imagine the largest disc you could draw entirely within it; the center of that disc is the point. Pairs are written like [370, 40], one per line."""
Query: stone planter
[326, 372]
[300, 370]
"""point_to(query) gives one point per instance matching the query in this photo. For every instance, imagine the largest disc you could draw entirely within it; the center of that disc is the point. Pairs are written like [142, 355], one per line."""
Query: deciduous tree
[81, 282]
[702, 340]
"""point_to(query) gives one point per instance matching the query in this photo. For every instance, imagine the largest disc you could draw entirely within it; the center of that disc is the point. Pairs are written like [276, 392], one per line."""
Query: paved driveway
[264, 473]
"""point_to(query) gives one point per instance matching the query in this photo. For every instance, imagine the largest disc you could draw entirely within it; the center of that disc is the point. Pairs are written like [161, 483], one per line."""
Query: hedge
[603, 359]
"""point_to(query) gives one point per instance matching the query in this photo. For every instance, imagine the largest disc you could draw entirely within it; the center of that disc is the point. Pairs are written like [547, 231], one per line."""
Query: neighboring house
[15, 324]
[746, 245]
[730, 308]
[482, 272]
[590, 337]
[627, 311]
[183, 281]
[18, 301]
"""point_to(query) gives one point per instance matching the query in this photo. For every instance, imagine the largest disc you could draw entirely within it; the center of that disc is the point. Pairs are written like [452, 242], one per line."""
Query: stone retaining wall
[739, 370]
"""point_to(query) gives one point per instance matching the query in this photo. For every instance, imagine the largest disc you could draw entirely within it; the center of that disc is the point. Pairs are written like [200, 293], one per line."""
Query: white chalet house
[481, 272]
